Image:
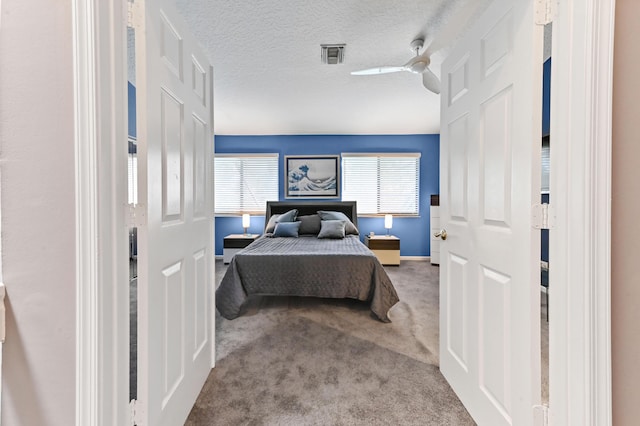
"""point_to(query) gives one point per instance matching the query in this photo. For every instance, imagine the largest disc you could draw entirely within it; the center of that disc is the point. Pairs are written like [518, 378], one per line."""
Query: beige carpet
[305, 361]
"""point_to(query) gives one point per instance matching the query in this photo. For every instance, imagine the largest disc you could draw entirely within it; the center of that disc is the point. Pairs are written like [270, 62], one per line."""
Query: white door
[175, 239]
[490, 178]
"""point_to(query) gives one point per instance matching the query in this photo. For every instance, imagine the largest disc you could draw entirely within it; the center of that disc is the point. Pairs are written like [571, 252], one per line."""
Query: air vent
[332, 53]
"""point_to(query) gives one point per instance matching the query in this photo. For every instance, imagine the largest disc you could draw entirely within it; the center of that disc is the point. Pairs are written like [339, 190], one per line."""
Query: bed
[311, 264]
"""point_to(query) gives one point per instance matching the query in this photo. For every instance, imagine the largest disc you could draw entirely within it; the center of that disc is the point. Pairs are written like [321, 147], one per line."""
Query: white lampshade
[388, 221]
[246, 220]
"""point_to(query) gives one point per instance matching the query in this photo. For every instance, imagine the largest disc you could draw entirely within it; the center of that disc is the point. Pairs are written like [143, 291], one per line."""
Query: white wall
[38, 224]
[625, 211]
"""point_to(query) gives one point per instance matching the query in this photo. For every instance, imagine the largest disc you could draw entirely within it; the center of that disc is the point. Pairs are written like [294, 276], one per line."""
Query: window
[245, 182]
[382, 183]
[545, 163]
[132, 171]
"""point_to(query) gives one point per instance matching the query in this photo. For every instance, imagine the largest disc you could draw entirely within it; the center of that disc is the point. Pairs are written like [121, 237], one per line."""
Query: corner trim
[86, 215]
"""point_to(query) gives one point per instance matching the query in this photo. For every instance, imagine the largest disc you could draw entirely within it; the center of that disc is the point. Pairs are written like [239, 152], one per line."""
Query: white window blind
[382, 183]
[546, 164]
[132, 169]
[245, 182]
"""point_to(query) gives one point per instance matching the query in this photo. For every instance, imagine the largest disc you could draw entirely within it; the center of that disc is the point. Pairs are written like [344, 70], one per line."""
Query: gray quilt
[306, 266]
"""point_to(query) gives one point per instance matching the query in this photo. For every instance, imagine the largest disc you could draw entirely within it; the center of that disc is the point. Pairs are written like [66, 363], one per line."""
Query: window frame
[276, 173]
[379, 155]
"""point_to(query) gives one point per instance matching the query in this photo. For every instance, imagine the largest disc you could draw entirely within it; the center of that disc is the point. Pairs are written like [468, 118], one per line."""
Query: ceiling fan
[419, 64]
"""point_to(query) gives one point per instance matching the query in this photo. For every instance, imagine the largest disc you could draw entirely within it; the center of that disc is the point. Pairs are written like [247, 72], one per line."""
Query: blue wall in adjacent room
[131, 92]
[546, 97]
[413, 231]
[546, 124]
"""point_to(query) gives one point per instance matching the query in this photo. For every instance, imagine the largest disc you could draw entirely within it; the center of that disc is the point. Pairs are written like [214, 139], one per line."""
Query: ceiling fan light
[418, 67]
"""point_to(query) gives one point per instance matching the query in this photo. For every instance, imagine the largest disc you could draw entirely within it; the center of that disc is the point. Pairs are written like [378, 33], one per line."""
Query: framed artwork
[312, 176]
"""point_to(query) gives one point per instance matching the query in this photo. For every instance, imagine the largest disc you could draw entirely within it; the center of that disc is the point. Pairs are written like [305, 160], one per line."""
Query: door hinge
[543, 216]
[134, 14]
[133, 412]
[540, 415]
[545, 11]
[136, 215]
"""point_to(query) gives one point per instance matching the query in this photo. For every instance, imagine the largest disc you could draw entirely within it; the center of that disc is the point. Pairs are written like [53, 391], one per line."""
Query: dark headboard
[311, 207]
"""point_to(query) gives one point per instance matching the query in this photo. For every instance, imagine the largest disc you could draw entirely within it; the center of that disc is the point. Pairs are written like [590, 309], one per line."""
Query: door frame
[102, 261]
[580, 243]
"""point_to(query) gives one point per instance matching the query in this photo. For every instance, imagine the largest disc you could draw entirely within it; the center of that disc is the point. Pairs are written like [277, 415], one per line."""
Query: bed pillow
[309, 224]
[271, 225]
[289, 216]
[350, 228]
[286, 229]
[332, 229]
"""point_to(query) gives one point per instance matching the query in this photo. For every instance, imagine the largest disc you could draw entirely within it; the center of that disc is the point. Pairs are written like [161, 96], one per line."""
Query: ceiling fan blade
[431, 81]
[378, 70]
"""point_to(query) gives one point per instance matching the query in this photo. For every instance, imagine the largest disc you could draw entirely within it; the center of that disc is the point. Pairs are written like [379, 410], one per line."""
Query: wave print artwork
[312, 177]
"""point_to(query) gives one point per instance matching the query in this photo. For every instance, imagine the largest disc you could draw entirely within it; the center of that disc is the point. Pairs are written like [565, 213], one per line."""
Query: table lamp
[388, 222]
[246, 221]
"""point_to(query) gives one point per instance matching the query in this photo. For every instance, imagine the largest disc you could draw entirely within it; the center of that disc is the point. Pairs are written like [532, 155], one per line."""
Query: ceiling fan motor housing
[418, 64]
[416, 45]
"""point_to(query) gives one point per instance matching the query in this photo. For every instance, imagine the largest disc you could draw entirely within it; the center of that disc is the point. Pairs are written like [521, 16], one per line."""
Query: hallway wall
[38, 212]
[625, 210]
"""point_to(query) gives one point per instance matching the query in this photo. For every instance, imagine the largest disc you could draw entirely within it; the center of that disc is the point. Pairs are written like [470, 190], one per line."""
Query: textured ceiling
[268, 78]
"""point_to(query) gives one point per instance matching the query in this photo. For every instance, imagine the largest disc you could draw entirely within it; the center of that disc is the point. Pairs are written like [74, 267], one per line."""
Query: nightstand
[234, 243]
[386, 248]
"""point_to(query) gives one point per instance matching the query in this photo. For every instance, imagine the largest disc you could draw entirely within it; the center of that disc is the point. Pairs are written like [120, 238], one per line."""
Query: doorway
[579, 357]
[545, 172]
[132, 194]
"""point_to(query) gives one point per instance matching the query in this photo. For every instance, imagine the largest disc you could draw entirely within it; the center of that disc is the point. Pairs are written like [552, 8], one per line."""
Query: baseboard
[420, 258]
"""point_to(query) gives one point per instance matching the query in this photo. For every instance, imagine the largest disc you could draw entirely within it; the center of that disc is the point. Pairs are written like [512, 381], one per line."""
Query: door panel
[175, 246]
[458, 175]
[491, 107]
[496, 160]
[172, 111]
[457, 312]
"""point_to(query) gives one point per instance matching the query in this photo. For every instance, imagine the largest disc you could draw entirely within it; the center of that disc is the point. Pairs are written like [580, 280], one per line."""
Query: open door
[175, 215]
[490, 179]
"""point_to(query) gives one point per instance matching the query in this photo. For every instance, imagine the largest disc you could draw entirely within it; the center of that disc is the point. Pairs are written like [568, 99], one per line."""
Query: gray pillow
[332, 229]
[309, 224]
[350, 228]
[271, 225]
[286, 229]
[289, 216]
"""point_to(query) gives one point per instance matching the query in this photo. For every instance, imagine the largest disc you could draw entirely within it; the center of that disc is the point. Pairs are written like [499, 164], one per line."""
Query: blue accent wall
[544, 235]
[131, 92]
[546, 97]
[546, 121]
[412, 231]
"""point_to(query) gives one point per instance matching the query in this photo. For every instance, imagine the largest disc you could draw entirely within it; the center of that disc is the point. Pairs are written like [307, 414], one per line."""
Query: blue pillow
[289, 216]
[286, 229]
[350, 228]
[332, 229]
